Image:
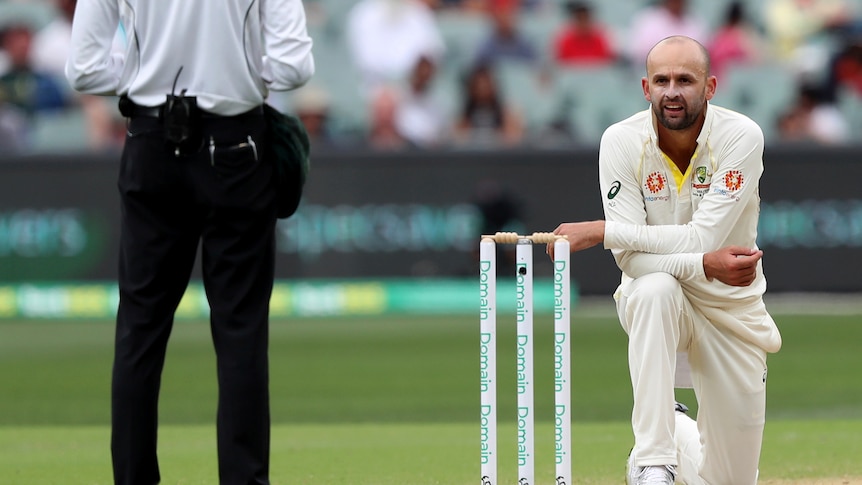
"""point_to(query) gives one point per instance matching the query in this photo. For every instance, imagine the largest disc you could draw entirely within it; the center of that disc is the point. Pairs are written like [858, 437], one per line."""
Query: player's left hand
[581, 235]
[732, 265]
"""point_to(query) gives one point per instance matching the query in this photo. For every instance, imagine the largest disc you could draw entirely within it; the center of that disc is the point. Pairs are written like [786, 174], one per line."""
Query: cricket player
[679, 183]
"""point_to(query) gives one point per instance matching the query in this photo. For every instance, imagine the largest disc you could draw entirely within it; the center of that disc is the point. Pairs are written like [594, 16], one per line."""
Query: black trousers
[220, 196]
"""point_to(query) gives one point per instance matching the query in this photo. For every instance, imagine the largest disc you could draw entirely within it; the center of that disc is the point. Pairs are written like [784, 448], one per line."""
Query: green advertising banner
[371, 216]
[300, 298]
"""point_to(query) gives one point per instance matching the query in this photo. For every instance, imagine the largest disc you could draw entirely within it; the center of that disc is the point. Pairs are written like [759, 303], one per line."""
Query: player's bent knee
[655, 286]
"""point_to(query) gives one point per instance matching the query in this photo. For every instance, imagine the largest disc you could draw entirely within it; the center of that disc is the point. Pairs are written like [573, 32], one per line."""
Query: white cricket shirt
[231, 52]
[661, 220]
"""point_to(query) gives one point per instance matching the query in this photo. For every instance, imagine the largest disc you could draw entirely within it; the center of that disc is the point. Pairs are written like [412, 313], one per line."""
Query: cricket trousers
[221, 198]
[728, 375]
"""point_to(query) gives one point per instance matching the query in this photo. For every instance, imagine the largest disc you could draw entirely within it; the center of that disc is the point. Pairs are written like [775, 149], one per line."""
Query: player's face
[677, 85]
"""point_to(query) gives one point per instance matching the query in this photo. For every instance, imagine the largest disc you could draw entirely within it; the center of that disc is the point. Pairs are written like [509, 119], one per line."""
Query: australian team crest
[701, 181]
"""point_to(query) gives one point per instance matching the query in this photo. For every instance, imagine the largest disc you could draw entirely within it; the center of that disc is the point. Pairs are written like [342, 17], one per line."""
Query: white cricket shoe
[650, 475]
[656, 474]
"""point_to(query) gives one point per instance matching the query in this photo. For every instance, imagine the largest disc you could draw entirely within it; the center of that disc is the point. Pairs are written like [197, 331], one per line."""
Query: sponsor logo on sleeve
[732, 182]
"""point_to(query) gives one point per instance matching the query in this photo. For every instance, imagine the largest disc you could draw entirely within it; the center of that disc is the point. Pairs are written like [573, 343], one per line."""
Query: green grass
[395, 400]
[402, 453]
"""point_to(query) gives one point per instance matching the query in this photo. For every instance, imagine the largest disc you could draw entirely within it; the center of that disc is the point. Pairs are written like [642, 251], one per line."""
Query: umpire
[192, 82]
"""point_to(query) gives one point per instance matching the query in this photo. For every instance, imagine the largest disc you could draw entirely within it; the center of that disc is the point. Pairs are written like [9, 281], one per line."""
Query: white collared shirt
[231, 53]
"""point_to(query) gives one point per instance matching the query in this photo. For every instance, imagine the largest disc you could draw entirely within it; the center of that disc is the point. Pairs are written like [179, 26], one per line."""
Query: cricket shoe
[653, 475]
[650, 475]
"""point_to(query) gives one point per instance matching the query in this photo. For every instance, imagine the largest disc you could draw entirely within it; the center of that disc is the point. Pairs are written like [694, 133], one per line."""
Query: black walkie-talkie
[180, 120]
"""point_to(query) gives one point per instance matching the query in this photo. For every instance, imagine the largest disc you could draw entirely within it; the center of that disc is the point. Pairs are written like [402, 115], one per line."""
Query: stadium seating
[597, 97]
[33, 14]
[850, 104]
[59, 131]
[584, 100]
[761, 91]
[462, 35]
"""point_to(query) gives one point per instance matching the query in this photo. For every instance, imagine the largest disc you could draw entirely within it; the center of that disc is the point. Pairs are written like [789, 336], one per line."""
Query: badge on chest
[700, 181]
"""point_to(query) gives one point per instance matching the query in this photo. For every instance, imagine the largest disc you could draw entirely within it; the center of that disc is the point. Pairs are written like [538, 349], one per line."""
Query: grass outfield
[394, 400]
[797, 452]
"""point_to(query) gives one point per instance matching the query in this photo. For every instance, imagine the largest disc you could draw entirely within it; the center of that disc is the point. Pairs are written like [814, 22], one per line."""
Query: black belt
[135, 110]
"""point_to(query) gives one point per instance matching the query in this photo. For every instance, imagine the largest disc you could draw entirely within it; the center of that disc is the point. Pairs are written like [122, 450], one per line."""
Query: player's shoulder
[733, 125]
[632, 130]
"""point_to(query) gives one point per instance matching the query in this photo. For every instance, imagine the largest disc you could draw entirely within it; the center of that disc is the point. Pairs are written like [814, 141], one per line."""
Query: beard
[687, 119]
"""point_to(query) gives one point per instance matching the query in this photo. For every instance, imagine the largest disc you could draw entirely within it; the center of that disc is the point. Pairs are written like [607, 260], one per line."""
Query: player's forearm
[664, 239]
[684, 267]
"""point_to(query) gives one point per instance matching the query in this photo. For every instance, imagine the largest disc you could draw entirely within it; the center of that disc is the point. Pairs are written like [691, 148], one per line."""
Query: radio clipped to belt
[180, 117]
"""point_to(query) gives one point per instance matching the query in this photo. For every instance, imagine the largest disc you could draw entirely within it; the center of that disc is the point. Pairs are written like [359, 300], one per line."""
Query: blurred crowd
[416, 74]
[38, 109]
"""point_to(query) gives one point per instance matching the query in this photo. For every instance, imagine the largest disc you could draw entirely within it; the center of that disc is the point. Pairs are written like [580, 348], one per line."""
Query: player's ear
[645, 86]
[711, 83]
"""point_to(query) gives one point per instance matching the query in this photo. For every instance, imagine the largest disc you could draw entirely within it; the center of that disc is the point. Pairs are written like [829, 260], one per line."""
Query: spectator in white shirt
[387, 37]
[421, 116]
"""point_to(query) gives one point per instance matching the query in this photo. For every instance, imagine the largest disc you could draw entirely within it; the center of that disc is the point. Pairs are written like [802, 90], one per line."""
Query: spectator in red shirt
[582, 40]
[735, 42]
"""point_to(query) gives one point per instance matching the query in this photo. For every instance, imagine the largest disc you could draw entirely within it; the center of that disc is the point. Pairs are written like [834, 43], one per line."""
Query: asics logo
[615, 188]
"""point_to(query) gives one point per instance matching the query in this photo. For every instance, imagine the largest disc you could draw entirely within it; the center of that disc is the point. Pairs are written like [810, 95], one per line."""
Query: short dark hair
[574, 7]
